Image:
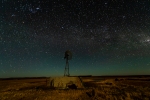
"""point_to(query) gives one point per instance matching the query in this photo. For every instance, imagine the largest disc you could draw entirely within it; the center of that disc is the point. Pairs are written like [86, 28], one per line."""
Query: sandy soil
[96, 88]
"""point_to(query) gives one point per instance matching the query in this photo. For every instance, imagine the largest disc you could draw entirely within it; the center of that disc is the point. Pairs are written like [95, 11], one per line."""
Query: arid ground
[96, 88]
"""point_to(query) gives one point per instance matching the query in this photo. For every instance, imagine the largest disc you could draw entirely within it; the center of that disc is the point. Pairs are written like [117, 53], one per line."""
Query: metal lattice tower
[66, 73]
[68, 56]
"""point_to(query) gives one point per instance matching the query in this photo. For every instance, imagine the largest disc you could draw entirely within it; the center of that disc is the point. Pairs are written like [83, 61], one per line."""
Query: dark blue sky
[106, 37]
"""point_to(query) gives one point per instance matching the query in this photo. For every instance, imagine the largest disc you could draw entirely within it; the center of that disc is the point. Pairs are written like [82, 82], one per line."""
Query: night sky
[106, 37]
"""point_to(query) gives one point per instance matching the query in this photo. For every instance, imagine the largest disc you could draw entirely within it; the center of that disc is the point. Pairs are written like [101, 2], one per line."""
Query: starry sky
[106, 37]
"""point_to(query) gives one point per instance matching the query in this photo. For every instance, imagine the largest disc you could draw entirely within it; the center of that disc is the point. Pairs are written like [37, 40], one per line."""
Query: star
[35, 34]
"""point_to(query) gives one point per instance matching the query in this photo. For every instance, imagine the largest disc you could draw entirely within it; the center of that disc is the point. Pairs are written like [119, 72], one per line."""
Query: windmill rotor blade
[68, 55]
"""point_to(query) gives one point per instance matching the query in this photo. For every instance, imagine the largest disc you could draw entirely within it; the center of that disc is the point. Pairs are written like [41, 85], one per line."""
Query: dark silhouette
[68, 56]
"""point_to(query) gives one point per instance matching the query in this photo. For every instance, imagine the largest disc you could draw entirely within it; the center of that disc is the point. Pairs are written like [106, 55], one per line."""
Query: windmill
[68, 56]
[65, 82]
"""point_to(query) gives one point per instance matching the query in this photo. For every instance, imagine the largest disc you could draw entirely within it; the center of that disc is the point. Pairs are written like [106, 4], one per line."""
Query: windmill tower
[68, 56]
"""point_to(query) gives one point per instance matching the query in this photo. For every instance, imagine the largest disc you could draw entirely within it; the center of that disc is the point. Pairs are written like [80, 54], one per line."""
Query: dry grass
[107, 89]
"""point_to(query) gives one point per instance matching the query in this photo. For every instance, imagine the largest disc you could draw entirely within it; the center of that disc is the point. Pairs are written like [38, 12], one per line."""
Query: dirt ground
[96, 88]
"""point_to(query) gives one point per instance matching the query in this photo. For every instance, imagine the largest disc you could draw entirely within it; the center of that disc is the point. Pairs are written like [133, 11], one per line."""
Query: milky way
[106, 37]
